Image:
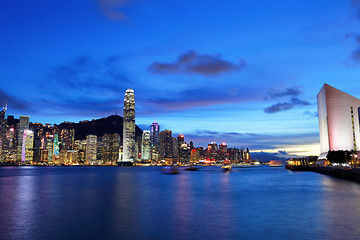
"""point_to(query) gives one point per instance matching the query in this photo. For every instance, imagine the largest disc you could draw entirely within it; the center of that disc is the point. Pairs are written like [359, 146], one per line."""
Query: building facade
[129, 153]
[91, 148]
[339, 119]
[146, 146]
[154, 139]
[23, 125]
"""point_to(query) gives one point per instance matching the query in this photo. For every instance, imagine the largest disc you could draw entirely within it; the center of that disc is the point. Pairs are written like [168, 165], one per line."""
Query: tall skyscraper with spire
[129, 127]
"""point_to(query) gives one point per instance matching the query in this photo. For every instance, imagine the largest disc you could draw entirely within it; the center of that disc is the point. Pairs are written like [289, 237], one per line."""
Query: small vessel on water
[170, 170]
[274, 163]
[226, 168]
[191, 168]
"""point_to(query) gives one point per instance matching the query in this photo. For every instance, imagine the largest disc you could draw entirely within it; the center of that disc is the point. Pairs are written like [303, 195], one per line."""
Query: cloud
[83, 86]
[12, 102]
[283, 106]
[193, 63]
[355, 4]
[355, 55]
[278, 93]
[113, 9]
[311, 114]
[198, 97]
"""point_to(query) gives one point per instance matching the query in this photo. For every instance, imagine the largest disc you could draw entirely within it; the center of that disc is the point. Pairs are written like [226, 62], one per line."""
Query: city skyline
[232, 72]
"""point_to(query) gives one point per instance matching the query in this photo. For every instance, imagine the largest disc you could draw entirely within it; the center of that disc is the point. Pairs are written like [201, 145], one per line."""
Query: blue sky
[242, 72]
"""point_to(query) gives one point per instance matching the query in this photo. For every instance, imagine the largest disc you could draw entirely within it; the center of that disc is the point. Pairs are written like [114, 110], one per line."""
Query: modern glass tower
[91, 148]
[129, 154]
[3, 128]
[154, 138]
[145, 149]
[23, 125]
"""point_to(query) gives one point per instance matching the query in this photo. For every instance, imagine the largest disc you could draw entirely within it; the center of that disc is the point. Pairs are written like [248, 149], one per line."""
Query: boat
[170, 170]
[274, 163]
[226, 168]
[125, 163]
[191, 168]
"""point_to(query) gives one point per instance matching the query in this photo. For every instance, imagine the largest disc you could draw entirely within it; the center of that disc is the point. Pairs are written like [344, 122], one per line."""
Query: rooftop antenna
[4, 104]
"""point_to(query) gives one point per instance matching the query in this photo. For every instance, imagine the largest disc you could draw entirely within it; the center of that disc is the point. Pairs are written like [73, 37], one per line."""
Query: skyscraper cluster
[23, 142]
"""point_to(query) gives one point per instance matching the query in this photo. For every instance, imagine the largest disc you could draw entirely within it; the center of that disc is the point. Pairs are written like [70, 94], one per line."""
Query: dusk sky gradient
[242, 72]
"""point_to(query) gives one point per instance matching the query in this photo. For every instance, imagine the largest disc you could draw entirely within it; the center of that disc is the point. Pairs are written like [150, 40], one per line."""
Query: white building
[145, 147]
[129, 127]
[338, 114]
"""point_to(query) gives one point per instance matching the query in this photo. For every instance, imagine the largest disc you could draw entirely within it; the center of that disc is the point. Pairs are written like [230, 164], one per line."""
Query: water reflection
[341, 208]
[142, 203]
[22, 207]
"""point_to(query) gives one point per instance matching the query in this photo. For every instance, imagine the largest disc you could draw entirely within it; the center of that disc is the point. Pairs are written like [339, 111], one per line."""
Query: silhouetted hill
[111, 124]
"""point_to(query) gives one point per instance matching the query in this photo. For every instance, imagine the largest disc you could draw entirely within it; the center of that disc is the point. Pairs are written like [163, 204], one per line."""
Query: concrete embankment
[352, 174]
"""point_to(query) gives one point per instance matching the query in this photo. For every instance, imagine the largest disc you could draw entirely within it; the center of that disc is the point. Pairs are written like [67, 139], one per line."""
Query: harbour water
[142, 203]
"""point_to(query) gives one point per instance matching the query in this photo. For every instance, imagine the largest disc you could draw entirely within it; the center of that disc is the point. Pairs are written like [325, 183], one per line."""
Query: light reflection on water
[141, 203]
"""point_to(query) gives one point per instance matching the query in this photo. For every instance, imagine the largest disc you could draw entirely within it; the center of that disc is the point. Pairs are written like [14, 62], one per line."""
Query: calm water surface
[142, 203]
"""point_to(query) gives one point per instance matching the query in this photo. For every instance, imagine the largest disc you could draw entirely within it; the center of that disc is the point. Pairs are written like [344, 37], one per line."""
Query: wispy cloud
[198, 97]
[355, 5]
[283, 106]
[355, 55]
[278, 93]
[13, 102]
[311, 114]
[114, 9]
[194, 63]
[84, 86]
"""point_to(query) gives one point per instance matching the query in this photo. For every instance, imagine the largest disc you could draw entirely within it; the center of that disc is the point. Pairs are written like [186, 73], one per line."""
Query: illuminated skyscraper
[223, 151]
[129, 127]
[23, 125]
[166, 144]
[212, 151]
[3, 128]
[154, 138]
[339, 118]
[146, 146]
[28, 145]
[180, 142]
[91, 148]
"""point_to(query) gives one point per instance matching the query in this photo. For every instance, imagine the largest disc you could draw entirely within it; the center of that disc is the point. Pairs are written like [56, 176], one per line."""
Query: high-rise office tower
[48, 146]
[29, 145]
[212, 151]
[146, 146]
[3, 128]
[180, 142]
[154, 138]
[129, 127]
[223, 151]
[115, 148]
[66, 139]
[166, 144]
[23, 125]
[91, 148]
